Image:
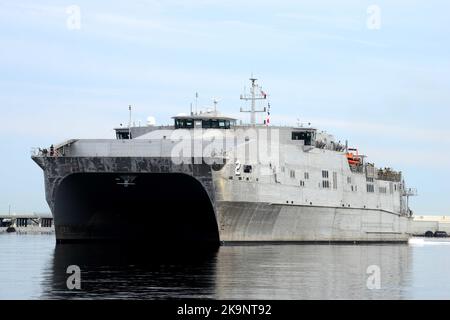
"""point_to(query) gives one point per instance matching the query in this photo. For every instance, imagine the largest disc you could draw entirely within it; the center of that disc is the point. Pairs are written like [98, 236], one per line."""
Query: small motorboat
[11, 229]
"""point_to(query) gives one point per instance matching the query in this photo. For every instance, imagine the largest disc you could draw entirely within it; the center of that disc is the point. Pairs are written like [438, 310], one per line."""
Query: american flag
[264, 94]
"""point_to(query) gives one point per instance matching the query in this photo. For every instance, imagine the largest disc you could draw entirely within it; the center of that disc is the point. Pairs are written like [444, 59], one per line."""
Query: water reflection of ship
[233, 272]
[312, 272]
[120, 272]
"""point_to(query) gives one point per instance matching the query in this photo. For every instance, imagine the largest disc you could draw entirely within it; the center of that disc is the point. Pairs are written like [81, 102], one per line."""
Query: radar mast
[256, 93]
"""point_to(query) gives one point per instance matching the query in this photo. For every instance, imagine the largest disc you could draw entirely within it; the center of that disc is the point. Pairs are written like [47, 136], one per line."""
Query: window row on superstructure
[329, 180]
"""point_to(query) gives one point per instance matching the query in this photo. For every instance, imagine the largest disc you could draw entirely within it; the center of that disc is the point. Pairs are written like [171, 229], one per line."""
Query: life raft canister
[353, 160]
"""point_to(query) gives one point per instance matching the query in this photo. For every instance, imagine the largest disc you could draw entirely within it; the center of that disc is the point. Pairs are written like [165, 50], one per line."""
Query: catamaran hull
[255, 222]
[154, 201]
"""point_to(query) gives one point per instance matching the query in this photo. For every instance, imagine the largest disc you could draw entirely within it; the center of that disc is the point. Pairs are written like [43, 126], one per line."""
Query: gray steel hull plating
[254, 222]
[169, 203]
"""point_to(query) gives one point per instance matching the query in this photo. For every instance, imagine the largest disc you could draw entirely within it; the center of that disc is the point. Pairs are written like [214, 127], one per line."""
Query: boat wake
[428, 241]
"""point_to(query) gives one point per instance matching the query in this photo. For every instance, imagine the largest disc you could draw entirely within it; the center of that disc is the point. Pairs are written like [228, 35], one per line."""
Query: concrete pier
[27, 223]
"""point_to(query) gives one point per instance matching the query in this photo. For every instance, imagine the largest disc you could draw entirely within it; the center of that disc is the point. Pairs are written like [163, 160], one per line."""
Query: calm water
[33, 267]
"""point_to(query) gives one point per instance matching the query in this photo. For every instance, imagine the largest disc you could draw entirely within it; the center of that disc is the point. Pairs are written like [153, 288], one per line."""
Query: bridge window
[303, 135]
[324, 174]
[325, 184]
[123, 135]
[306, 175]
[184, 123]
[370, 188]
[216, 124]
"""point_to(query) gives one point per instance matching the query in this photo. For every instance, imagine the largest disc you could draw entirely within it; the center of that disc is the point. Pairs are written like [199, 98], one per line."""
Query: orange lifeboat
[353, 158]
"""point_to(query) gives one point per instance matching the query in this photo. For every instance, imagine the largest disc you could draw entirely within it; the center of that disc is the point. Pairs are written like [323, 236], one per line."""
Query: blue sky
[385, 90]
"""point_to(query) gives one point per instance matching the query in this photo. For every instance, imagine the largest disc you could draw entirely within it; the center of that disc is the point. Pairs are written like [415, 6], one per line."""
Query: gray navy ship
[208, 179]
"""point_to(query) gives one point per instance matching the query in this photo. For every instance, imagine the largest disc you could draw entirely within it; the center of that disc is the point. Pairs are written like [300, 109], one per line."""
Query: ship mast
[129, 123]
[215, 101]
[254, 95]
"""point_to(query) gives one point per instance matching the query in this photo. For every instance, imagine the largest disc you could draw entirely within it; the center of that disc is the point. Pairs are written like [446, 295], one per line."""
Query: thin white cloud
[336, 21]
[120, 21]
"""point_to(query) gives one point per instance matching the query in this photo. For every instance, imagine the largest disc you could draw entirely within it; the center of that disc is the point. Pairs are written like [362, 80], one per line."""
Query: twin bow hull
[156, 202]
